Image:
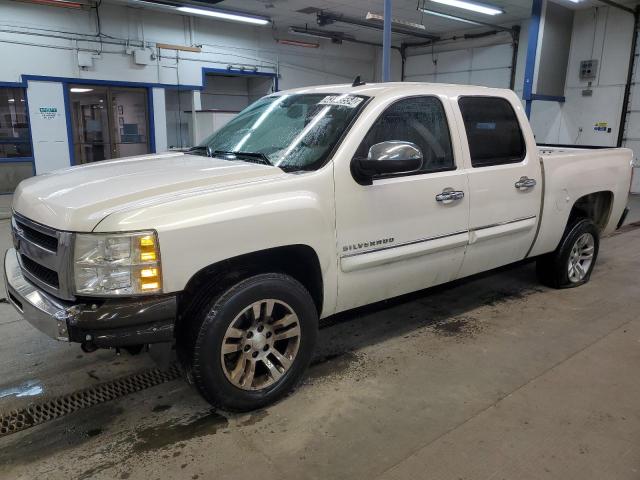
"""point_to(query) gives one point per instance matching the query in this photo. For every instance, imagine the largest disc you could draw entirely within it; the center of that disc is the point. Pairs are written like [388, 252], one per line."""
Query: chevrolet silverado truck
[310, 202]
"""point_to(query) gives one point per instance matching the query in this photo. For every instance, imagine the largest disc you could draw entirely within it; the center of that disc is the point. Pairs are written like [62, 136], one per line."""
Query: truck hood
[78, 198]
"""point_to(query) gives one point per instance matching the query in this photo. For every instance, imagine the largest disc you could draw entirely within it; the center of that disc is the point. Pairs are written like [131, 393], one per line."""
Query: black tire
[553, 268]
[210, 325]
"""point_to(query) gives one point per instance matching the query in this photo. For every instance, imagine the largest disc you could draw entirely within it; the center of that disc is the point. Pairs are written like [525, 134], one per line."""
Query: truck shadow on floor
[444, 310]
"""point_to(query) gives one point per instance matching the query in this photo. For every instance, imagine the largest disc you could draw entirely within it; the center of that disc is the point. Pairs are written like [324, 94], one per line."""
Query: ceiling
[285, 13]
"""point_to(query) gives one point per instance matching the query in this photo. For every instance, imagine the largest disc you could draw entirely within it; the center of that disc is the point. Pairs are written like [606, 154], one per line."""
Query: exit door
[108, 122]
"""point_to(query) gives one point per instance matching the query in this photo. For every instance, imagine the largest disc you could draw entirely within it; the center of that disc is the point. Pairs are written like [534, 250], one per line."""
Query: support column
[386, 43]
[532, 51]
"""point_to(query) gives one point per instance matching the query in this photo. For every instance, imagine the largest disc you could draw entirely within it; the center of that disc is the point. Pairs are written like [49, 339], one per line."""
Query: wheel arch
[595, 206]
[299, 261]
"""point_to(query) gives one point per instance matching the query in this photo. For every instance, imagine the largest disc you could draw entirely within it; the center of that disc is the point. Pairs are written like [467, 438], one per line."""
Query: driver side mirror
[387, 158]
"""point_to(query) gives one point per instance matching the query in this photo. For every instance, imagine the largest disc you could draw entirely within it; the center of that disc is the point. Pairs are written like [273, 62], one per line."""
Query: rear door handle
[525, 183]
[449, 196]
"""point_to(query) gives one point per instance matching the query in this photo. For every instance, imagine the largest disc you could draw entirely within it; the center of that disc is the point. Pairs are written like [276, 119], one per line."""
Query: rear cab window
[493, 131]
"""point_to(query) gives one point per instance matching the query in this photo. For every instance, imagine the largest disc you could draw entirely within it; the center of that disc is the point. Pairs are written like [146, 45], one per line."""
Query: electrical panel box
[85, 59]
[143, 57]
[588, 69]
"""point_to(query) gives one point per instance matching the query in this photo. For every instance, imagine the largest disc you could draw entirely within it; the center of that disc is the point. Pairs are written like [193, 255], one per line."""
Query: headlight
[117, 264]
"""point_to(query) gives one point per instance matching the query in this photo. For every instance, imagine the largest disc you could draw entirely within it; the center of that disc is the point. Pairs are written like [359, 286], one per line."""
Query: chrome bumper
[43, 311]
[106, 323]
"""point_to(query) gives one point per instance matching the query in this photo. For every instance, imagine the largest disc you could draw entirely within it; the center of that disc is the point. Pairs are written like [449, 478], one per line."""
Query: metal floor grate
[37, 413]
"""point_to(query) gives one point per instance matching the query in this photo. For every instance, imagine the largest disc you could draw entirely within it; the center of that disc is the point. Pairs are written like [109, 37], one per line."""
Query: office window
[493, 131]
[14, 124]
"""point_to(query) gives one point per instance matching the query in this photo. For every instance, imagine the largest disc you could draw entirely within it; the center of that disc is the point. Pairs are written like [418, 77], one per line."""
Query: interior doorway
[108, 122]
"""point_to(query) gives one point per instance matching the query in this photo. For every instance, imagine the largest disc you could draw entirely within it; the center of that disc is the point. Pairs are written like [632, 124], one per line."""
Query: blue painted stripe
[532, 48]
[548, 98]
[67, 115]
[152, 121]
[91, 81]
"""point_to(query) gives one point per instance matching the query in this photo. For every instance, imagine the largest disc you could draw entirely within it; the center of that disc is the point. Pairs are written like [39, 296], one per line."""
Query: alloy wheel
[581, 257]
[260, 345]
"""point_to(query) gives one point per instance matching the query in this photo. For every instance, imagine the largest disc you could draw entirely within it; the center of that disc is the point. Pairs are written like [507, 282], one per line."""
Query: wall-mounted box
[588, 69]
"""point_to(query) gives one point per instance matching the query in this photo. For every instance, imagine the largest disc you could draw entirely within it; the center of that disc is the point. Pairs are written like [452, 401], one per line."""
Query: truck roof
[384, 89]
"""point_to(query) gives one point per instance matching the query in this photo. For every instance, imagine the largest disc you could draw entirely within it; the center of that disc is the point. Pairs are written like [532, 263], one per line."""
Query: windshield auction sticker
[341, 101]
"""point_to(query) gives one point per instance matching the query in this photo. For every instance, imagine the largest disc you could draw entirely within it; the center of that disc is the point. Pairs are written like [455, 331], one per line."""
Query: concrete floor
[490, 378]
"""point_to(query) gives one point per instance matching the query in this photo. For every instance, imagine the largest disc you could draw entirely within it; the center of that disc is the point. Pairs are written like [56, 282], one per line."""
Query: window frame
[419, 172]
[466, 135]
[27, 158]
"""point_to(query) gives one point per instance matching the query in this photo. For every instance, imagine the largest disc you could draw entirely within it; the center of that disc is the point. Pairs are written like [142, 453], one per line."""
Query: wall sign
[48, 113]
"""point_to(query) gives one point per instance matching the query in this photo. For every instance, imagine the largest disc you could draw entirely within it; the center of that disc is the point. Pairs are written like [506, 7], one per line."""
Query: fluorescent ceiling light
[448, 17]
[234, 17]
[11, 100]
[400, 23]
[80, 90]
[474, 7]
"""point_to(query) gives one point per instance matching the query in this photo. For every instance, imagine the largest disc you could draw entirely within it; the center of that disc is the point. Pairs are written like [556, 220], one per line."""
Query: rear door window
[493, 131]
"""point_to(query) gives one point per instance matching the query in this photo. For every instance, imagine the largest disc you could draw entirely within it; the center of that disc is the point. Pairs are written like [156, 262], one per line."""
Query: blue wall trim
[532, 48]
[67, 114]
[547, 98]
[152, 121]
[22, 84]
[90, 81]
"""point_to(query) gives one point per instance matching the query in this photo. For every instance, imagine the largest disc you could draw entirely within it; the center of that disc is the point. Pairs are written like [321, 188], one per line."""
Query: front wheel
[254, 342]
[572, 262]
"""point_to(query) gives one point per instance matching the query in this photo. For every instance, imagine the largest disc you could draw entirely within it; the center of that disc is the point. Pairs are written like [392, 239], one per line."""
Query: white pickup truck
[310, 202]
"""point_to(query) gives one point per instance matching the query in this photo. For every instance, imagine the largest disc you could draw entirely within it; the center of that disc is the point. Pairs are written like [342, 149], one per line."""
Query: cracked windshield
[292, 132]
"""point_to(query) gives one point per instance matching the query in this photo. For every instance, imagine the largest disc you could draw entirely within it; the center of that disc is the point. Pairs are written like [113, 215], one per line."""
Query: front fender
[198, 231]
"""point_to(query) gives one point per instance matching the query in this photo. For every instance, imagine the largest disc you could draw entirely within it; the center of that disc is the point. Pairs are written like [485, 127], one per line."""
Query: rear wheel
[571, 264]
[253, 342]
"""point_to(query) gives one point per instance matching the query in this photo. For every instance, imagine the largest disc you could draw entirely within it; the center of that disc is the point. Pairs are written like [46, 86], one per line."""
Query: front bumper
[106, 323]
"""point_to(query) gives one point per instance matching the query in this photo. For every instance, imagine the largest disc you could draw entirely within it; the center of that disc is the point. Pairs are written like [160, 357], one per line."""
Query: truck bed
[562, 187]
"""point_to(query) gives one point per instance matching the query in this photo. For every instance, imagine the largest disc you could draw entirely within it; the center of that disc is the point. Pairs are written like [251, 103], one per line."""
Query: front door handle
[525, 183]
[449, 196]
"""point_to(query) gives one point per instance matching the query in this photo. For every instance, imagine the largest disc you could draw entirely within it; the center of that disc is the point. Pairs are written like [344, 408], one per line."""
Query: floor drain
[38, 413]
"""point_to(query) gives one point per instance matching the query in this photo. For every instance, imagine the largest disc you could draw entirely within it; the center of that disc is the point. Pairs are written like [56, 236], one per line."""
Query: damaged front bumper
[105, 323]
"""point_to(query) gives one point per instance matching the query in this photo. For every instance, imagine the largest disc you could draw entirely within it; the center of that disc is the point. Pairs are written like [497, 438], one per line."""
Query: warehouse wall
[604, 34]
[36, 40]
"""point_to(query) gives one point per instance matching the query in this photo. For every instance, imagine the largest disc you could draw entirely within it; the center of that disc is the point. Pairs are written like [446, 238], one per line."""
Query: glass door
[108, 122]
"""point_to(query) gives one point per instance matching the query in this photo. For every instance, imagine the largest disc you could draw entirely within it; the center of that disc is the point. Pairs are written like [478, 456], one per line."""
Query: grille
[39, 238]
[38, 413]
[44, 274]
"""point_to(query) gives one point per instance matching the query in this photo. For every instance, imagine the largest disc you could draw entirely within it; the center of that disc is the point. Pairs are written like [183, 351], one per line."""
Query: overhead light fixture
[80, 90]
[448, 17]
[472, 6]
[297, 43]
[378, 17]
[222, 15]
[11, 100]
[335, 37]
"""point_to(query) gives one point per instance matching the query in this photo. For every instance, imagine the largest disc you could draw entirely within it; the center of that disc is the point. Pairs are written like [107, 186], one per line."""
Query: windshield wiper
[248, 156]
[201, 148]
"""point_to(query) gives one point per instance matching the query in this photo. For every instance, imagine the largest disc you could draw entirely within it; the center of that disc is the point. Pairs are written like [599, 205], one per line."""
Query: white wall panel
[487, 65]
[48, 126]
[160, 119]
